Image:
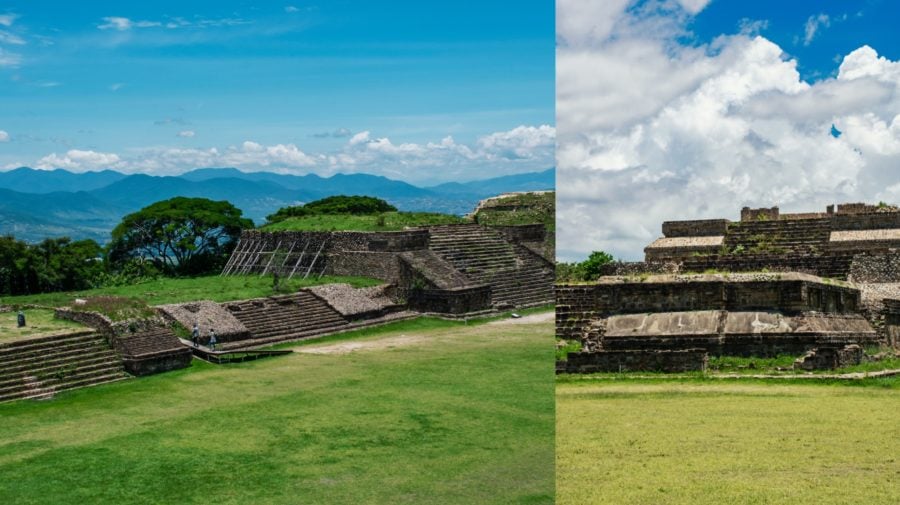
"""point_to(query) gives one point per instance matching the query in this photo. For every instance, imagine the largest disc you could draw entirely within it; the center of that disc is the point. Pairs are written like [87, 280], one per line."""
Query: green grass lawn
[392, 221]
[38, 322]
[175, 290]
[463, 415]
[690, 442]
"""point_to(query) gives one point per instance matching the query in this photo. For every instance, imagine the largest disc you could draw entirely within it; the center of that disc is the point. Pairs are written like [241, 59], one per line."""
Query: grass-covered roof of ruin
[512, 209]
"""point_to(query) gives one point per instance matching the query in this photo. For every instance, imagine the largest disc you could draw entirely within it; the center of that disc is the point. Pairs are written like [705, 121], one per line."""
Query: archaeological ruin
[824, 285]
[453, 271]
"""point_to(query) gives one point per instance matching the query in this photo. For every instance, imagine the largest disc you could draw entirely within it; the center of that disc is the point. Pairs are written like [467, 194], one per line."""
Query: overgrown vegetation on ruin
[174, 290]
[40, 322]
[686, 442]
[388, 221]
[462, 415]
[587, 270]
[519, 209]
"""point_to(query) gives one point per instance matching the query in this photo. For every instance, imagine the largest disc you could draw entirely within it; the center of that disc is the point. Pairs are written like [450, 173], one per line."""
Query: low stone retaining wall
[450, 301]
[689, 360]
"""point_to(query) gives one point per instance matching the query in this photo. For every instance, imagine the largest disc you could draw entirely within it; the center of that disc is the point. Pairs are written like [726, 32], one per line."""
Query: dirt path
[406, 340]
[348, 347]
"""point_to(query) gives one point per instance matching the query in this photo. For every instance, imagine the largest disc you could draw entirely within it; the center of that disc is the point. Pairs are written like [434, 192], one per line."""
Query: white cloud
[4, 137]
[115, 23]
[521, 149]
[116, 86]
[78, 160]
[812, 27]
[7, 19]
[650, 130]
[186, 134]
[122, 24]
[291, 8]
[11, 38]
[8, 59]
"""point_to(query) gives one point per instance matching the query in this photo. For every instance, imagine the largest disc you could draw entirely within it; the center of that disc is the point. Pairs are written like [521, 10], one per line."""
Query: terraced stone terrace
[41, 366]
[518, 276]
[287, 317]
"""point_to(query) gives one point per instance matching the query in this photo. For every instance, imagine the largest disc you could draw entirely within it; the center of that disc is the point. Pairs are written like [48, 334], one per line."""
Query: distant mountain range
[36, 204]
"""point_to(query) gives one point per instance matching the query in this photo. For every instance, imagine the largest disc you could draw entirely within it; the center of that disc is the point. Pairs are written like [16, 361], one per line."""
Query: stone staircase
[832, 265]
[288, 317]
[40, 367]
[790, 236]
[518, 276]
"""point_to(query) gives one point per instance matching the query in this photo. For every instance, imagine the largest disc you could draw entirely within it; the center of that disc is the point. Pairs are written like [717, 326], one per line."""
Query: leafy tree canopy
[52, 265]
[587, 270]
[340, 204]
[181, 235]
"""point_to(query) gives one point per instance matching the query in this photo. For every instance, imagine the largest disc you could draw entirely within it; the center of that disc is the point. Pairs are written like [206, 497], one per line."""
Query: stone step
[72, 381]
[76, 369]
[43, 352]
[29, 365]
[86, 382]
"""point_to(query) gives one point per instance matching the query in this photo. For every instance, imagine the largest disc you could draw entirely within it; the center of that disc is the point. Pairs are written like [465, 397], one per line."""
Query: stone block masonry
[689, 360]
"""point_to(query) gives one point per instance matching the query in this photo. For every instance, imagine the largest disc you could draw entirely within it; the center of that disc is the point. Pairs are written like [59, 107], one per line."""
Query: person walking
[212, 339]
[195, 335]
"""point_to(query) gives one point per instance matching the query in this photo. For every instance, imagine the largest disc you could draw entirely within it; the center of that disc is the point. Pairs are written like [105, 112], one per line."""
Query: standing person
[195, 335]
[212, 339]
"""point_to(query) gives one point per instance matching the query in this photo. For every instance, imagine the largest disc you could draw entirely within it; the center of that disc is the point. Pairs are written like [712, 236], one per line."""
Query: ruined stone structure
[828, 244]
[737, 315]
[40, 367]
[452, 269]
[797, 300]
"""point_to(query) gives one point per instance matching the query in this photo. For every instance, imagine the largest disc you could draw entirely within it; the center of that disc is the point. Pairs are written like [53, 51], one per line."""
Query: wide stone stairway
[792, 236]
[288, 317]
[40, 367]
[518, 277]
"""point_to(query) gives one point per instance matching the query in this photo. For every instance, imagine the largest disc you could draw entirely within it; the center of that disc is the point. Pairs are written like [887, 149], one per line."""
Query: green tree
[340, 204]
[594, 264]
[185, 236]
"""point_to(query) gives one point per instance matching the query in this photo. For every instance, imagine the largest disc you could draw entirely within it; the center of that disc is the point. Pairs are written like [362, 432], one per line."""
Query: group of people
[195, 337]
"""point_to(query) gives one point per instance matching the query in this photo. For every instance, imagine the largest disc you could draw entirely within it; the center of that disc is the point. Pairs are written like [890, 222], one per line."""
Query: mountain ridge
[89, 204]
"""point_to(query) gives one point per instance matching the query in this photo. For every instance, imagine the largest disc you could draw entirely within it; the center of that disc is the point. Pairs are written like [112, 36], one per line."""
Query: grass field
[175, 290]
[38, 322]
[388, 221]
[747, 442]
[463, 414]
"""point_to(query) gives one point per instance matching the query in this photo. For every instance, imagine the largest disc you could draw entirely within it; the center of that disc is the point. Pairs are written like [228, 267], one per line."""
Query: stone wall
[450, 301]
[623, 268]
[875, 267]
[636, 361]
[523, 233]
[892, 322]
[577, 304]
[695, 228]
[830, 358]
[761, 214]
[379, 265]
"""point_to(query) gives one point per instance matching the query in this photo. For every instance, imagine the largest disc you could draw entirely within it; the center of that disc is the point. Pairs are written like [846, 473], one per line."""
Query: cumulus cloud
[186, 134]
[698, 132]
[4, 137]
[521, 149]
[78, 160]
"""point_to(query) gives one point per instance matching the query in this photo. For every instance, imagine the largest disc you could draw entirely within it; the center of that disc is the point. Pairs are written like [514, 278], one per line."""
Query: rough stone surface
[830, 358]
[206, 314]
[635, 361]
[356, 303]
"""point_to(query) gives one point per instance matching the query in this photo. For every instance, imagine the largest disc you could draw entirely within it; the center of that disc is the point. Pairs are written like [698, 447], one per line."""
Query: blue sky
[692, 109]
[166, 86]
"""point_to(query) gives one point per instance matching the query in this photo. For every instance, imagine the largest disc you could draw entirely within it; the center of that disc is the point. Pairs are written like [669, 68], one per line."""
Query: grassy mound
[518, 209]
[176, 290]
[388, 221]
